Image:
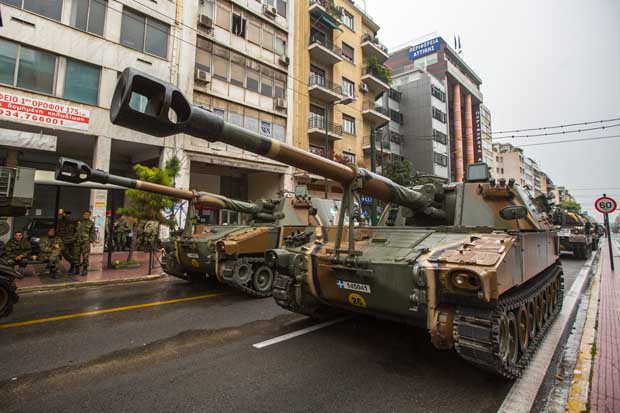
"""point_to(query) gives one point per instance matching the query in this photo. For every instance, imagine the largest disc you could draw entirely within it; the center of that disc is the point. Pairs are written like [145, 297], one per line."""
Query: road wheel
[523, 322]
[531, 315]
[540, 306]
[513, 340]
[243, 273]
[263, 279]
[503, 338]
[7, 295]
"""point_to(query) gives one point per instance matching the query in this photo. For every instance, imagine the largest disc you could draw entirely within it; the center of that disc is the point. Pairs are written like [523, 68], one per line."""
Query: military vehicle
[473, 262]
[575, 233]
[234, 254]
[16, 194]
[596, 230]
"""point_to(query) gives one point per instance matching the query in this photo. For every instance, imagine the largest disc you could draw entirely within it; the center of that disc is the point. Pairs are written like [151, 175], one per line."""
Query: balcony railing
[329, 7]
[317, 80]
[368, 38]
[314, 39]
[373, 71]
[371, 105]
[317, 122]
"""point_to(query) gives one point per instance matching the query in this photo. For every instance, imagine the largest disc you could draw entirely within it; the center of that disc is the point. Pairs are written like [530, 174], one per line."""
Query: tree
[399, 172]
[147, 206]
[572, 206]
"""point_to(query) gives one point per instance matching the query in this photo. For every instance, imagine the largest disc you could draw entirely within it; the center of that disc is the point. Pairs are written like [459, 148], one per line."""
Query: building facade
[338, 74]
[464, 97]
[423, 130]
[484, 145]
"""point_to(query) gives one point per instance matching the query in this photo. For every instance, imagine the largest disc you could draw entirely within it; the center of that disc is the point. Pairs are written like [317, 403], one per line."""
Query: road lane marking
[298, 333]
[109, 310]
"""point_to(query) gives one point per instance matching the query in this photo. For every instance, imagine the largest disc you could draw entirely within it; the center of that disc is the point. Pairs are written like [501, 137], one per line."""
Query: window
[440, 137]
[89, 15]
[281, 8]
[279, 89]
[266, 84]
[254, 32]
[144, 33]
[8, 61]
[252, 79]
[36, 70]
[396, 116]
[280, 45]
[348, 52]
[438, 93]
[440, 159]
[82, 82]
[265, 128]
[348, 124]
[268, 38]
[317, 150]
[222, 18]
[237, 74]
[238, 25]
[348, 156]
[48, 8]
[203, 54]
[220, 113]
[348, 19]
[220, 68]
[395, 95]
[348, 87]
[439, 115]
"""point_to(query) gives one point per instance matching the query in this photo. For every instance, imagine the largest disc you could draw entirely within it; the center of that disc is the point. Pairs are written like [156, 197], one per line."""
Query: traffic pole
[611, 249]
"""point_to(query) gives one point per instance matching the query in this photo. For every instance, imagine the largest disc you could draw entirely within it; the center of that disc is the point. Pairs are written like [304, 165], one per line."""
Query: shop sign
[423, 49]
[34, 110]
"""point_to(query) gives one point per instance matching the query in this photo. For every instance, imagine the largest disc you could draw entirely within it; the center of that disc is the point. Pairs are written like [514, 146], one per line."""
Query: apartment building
[464, 97]
[484, 145]
[388, 139]
[511, 163]
[338, 74]
[422, 130]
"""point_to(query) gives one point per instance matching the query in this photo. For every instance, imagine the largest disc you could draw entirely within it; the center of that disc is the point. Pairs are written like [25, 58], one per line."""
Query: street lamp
[344, 101]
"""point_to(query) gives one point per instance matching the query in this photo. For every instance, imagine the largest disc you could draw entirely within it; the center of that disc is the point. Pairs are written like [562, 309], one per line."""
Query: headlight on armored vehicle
[464, 280]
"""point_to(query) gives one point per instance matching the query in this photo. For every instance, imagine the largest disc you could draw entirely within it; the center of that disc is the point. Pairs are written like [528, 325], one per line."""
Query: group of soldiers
[69, 239]
[146, 232]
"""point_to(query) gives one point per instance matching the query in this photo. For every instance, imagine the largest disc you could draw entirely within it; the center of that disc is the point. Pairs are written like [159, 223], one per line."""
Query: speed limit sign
[605, 205]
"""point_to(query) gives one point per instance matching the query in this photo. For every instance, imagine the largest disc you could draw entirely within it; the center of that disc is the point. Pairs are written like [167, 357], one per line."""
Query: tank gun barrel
[168, 112]
[74, 171]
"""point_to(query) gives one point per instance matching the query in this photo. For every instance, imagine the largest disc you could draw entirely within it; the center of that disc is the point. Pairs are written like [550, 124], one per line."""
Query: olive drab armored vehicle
[234, 254]
[474, 262]
[575, 233]
[16, 194]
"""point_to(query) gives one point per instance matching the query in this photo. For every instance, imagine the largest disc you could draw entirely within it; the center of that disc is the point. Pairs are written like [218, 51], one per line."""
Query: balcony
[376, 81]
[376, 115]
[383, 143]
[316, 128]
[371, 47]
[323, 51]
[325, 12]
[324, 90]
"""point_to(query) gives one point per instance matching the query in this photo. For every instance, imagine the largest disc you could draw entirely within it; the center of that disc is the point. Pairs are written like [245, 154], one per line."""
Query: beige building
[338, 74]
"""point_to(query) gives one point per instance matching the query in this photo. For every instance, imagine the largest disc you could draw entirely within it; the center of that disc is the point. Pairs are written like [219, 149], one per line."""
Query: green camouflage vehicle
[234, 254]
[575, 233]
[475, 263]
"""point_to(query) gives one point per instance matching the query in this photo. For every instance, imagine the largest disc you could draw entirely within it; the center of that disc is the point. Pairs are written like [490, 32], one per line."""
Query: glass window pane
[220, 68]
[223, 17]
[96, 17]
[237, 75]
[268, 40]
[281, 6]
[252, 80]
[8, 55]
[266, 86]
[280, 46]
[79, 14]
[138, 102]
[82, 82]
[16, 3]
[279, 132]
[265, 128]
[36, 70]
[251, 123]
[203, 60]
[132, 30]
[279, 89]
[47, 8]
[254, 32]
[235, 118]
[156, 38]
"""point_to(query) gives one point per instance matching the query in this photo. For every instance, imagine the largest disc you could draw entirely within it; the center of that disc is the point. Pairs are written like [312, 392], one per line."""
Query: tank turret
[74, 171]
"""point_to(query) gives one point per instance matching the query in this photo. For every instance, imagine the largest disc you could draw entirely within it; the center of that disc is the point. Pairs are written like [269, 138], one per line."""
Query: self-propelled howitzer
[234, 254]
[474, 262]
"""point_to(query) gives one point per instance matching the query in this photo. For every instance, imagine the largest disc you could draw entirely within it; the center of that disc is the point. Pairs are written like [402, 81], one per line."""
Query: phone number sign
[40, 111]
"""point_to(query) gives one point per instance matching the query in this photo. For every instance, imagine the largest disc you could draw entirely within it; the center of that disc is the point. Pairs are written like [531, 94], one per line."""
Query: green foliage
[146, 206]
[571, 206]
[400, 172]
[380, 71]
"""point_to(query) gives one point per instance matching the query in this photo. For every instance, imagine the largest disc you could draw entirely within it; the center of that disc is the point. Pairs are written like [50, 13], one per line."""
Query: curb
[580, 387]
[54, 287]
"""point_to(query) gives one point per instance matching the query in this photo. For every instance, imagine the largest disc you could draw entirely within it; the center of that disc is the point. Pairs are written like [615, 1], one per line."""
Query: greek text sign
[422, 49]
[41, 111]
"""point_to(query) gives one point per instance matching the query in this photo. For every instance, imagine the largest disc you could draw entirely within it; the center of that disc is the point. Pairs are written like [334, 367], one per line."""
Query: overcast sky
[542, 63]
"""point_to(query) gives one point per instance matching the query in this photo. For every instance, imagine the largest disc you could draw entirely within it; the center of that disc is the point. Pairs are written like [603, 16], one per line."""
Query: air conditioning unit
[281, 103]
[203, 76]
[205, 22]
[284, 60]
[364, 87]
[270, 11]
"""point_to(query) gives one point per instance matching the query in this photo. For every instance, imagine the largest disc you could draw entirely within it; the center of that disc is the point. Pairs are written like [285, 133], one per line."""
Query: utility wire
[558, 133]
[555, 127]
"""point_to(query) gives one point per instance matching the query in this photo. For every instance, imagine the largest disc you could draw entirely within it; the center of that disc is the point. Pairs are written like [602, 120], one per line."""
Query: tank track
[285, 292]
[248, 287]
[8, 296]
[476, 330]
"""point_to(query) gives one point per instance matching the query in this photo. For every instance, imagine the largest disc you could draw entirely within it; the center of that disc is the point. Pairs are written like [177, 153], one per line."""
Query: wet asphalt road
[198, 356]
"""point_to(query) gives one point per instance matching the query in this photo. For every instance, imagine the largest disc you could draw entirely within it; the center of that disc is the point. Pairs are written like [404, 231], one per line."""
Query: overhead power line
[572, 140]
[565, 132]
[555, 127]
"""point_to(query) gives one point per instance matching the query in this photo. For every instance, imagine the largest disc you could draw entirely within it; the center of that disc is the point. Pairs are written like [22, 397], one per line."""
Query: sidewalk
[36, 279]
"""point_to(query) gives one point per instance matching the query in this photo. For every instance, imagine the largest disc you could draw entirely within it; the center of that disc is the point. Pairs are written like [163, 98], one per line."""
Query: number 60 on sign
[605, 205]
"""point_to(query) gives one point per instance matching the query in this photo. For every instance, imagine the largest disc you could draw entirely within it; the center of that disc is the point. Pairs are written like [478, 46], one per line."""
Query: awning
[330, 22]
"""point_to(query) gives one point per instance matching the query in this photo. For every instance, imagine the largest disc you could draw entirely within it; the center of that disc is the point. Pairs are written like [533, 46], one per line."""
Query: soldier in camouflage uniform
[85, 237]
[17, 250]
[121, 229]
[151, 231]
[67, 230]
[51, 247]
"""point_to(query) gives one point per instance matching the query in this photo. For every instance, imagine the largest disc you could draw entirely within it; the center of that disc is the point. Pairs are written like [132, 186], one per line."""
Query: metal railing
[368, 38]
[371, 70]
[329, 7]
[314, 39]
[317, 122]
[318, 80]
[371, 105]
